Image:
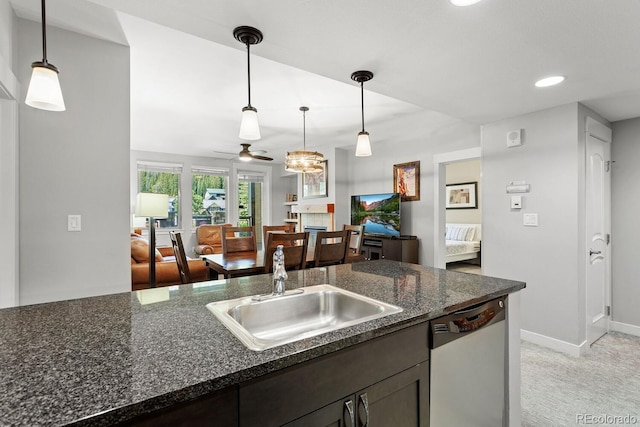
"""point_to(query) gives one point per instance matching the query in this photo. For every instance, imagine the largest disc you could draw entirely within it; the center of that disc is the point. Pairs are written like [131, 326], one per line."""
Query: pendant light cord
[362, 102]
[304, 130]
[248, 72]
[44, 35]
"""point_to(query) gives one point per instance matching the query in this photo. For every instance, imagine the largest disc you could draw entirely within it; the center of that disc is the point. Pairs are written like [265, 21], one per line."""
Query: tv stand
[403, 248]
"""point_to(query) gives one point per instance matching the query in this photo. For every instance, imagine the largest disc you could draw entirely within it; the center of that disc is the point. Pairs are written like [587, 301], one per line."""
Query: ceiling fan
[246, 155]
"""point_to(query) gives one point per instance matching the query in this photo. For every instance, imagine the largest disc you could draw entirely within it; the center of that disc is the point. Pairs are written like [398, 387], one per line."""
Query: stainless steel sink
[271, 322]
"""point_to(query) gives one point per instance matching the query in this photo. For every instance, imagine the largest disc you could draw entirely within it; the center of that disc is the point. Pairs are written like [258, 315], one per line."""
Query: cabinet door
[337, 414]
[400, 400]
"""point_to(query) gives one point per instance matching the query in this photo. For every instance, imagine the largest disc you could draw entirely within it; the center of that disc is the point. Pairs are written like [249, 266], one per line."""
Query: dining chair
[285, 228]
[294, 248]
[181, 257]
[332, 247]
[355, 242]
[239, 239]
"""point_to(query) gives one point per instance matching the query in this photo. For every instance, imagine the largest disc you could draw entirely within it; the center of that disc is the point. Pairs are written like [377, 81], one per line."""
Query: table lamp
[153, 206]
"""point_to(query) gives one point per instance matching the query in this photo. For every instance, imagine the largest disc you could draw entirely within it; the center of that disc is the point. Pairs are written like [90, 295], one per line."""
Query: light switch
[530, 219]
[74, 223]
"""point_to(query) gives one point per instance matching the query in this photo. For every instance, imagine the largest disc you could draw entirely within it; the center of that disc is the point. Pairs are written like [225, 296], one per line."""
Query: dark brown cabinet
[404, 250]
[385, 379]
[395, 401]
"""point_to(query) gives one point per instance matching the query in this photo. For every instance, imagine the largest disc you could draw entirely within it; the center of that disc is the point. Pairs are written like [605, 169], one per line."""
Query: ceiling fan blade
[261, 157]
[258, 152]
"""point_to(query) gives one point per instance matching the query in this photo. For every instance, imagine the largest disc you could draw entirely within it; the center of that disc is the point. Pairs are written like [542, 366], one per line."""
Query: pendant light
[249, 127]
[44, 88]
[363, 146]
[303, 161]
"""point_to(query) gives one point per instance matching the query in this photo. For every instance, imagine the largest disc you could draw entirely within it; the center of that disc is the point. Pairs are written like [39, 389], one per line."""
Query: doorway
[250, 197]
[598, 226]
[440, 212]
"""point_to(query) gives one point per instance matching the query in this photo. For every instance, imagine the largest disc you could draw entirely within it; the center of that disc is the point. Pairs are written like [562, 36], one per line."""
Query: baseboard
[625, 328]
[554, 344]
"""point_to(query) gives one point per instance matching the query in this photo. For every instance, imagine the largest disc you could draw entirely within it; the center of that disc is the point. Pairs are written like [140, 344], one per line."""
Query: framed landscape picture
[462, 196]
[315, 184]
[406, 181]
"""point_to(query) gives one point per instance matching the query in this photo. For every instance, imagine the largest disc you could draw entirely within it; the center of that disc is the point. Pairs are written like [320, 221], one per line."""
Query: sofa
[166, 267]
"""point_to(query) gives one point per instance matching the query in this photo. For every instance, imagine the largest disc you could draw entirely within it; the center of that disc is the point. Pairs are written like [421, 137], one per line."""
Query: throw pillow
[140, 250]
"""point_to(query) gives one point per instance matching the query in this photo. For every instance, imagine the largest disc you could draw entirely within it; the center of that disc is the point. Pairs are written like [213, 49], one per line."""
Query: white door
[598, 205]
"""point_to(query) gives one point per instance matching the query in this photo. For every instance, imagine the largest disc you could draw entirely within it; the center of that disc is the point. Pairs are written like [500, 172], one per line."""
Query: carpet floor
[596, 389]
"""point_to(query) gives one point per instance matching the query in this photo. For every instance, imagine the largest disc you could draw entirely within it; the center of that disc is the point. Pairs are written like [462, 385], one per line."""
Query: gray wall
[625, 231]
[547, 257]
[74, 162]
[415, 140]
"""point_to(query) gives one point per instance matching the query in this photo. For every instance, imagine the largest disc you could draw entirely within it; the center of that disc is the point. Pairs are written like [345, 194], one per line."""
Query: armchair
[209, 239]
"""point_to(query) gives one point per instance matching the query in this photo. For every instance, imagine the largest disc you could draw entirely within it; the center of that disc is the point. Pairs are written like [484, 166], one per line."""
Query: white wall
[415, 140]
[74, 162]
[625, 234]
[547, 257]
[459, 172]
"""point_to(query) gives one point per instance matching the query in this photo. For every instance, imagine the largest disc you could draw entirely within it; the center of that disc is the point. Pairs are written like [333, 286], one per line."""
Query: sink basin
[279, 320]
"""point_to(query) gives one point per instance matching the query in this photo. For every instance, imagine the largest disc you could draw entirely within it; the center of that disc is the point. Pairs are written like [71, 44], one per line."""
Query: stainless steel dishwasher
[468, 381]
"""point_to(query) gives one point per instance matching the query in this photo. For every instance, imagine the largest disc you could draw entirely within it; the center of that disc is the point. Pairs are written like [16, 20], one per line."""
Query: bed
[463, 242]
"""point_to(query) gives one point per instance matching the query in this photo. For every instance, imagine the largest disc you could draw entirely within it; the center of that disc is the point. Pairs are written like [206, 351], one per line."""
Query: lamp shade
[44, 89]
[152, 205]
[363, 146]
[249, 127]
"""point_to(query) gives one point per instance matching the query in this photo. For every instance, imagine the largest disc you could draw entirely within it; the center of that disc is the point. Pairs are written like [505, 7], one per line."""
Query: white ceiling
[476, 64]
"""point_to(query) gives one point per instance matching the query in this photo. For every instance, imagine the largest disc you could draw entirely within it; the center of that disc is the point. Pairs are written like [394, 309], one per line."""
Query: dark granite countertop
[101, 360]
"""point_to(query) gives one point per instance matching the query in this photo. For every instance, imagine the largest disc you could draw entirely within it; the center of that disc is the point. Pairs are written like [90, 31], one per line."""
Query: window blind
[250, 176]
[159, 167]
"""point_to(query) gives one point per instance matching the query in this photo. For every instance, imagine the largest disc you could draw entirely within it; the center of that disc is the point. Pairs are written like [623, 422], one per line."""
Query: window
[162, 178]
[209, 195]
[250, 200]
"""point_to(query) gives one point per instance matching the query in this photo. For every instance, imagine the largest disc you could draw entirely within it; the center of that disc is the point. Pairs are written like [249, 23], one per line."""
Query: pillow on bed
[463, 234]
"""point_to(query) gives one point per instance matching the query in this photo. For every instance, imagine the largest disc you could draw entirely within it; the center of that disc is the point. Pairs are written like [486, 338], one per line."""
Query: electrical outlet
[74, 223]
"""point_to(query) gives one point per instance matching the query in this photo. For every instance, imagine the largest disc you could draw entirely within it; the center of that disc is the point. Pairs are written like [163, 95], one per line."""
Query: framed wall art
[462, 196]
[315, 184]
[406, 181]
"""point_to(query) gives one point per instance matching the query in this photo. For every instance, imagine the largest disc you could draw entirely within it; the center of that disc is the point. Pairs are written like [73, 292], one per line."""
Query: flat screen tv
[379, 213]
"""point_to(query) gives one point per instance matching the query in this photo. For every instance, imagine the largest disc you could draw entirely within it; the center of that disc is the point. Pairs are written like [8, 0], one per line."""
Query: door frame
[440, 189]
[602, 133]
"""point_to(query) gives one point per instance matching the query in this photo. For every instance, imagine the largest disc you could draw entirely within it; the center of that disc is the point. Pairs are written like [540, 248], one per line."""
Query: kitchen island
[116, 358]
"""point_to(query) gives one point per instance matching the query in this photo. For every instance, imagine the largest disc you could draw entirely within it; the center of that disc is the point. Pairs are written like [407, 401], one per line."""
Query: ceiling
[431, 60]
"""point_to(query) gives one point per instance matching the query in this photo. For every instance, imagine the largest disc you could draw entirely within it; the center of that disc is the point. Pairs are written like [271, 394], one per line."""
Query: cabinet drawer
[293, 392]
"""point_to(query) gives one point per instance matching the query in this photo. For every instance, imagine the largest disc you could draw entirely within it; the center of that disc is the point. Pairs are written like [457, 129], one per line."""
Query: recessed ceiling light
[463, 2]
[549, 81]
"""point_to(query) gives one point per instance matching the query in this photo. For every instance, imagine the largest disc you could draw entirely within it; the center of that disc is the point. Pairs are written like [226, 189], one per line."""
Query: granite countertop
[101, 360]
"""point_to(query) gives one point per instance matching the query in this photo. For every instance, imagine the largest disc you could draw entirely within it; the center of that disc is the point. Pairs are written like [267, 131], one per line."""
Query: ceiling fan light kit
[363, 145]
[249, 126]
[44, 87]
[303, 161]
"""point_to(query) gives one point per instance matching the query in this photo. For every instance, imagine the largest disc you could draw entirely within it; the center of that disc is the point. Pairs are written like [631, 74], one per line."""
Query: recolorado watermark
[606, 419]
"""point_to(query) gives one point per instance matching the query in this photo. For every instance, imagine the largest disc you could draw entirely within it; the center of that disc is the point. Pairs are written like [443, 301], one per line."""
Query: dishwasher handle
[458, 324]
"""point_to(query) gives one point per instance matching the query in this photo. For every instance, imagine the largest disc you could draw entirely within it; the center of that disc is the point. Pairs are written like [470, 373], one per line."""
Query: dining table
[238, 264]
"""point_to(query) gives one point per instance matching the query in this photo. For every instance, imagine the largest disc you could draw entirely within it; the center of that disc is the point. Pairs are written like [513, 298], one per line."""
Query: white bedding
[462, 242]
[455, 247]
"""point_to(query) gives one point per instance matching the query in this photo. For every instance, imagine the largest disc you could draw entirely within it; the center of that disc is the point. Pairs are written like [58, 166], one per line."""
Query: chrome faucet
[279, 273]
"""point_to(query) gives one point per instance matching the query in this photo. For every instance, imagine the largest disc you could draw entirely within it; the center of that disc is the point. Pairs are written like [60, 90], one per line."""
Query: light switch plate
[74, 223]
[530, 219]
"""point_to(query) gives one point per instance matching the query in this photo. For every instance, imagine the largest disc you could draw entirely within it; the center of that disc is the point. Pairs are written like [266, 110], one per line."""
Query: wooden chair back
[294, 248]
[285, 228]
[181, 257]
[239, 239]
[332, 247]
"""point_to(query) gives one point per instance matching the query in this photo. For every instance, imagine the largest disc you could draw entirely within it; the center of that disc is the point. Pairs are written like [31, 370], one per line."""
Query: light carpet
[596, 389]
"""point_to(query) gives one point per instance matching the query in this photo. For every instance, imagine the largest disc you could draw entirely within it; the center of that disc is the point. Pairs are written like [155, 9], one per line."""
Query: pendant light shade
[303, 161]
[249, 127]
[363, 145]
[44, 88]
